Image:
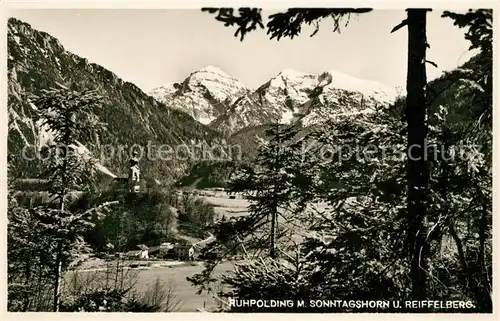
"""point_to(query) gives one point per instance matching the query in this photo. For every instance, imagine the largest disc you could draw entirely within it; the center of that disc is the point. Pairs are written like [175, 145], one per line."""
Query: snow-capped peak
[215, 82]
[291, 73]
[344, 81]
[211, 96]
[212, 74]
[214, 70]
[294, 82]
[205, 94]
[339, 80]
[167, 86]
[164, 92]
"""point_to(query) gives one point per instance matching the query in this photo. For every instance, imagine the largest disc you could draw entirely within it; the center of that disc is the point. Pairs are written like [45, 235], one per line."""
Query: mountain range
[220, 101]
[37, 60]
[209, 105]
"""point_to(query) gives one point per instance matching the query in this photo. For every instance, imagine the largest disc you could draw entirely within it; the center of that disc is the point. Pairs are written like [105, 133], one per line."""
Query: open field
[238, 207]
[228, 207]
[185, 293]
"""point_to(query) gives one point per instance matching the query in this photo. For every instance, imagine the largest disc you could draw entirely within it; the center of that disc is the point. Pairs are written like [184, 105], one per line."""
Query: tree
[419, 97]
[195, 216]
[480, 35]
[460, 210]
[270, 185]
[278, 187]
[288, 24]
[144, 218]
[274, 186]
[466, 180]
[355, 243]
[69, 116]
[277, 182]
[417, 168]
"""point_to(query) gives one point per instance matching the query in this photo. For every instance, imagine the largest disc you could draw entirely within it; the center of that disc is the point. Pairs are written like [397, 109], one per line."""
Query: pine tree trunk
[57, 282]
[62, 194]
[58, 268]
[274, 214]
[417, 169]
[273, 235]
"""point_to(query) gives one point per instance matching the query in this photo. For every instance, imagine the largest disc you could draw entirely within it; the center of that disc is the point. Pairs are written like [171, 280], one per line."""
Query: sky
[154, 47]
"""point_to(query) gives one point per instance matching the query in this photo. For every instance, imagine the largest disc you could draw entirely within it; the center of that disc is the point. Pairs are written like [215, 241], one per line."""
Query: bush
[195, 216]
[145, 218]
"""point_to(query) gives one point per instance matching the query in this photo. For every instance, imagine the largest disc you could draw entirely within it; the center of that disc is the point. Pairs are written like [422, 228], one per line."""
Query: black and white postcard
[217, 159]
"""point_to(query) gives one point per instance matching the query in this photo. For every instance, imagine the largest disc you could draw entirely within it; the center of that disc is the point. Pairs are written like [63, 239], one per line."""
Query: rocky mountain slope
[205, 94]
[214, 98]
[37, 61]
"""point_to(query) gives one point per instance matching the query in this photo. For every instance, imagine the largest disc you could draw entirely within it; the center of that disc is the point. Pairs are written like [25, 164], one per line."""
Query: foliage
[334, 216]
[162, 296]
[479, 84]
[29, 261]
[113, 291]
[354, 248]
[273, 184]
[274, 187]
[99, 301]
[209, 174]
[279, 280]
[196, 216]
[461, 211]
[144, 218]
[68, 115]
[359, 236]
[285, 24]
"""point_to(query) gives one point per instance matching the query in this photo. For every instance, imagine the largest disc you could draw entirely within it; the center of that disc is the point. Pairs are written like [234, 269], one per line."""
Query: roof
[154, 249]
[134, 252]
[142, 247]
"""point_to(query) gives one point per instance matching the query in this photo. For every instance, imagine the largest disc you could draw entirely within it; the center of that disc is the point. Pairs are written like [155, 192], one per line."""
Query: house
[199, 246]
[189, 245]
[181, 251]
[141, 254]
[160, 251]
[144, 254]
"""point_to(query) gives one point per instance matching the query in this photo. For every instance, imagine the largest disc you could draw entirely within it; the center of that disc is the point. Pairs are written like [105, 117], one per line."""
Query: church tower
[134, 175]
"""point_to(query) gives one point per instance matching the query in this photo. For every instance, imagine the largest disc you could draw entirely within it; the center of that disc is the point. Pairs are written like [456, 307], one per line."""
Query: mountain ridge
[278, 98]
[37, 60]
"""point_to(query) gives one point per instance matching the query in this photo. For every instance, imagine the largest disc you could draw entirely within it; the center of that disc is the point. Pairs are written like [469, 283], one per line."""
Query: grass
[228, 207]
